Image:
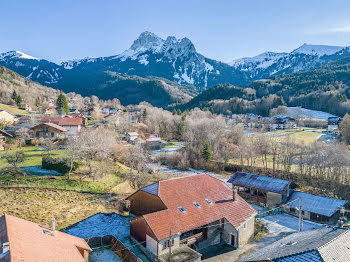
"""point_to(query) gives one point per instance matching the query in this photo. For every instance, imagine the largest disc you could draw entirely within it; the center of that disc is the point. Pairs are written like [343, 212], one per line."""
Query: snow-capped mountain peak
[318, 50]
[147, 41]
[263, 60]
[16, 54]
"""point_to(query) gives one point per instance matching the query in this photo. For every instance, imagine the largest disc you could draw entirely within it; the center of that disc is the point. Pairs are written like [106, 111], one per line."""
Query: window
[222, 222]
[182, 209]
[244, 225]
[52, 134]
[167, 243]
[292, 209]
[197, 204]
[208, 201]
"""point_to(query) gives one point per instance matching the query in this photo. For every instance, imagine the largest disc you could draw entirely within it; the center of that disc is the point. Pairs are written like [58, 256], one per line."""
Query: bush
[61, 165]
[35, 141]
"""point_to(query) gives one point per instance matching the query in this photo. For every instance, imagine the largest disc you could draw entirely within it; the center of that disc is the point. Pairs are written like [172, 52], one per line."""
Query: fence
[116, 245]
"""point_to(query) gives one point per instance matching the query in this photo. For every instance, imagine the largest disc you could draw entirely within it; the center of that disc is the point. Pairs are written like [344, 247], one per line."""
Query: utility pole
[170, 242]
[300, 215]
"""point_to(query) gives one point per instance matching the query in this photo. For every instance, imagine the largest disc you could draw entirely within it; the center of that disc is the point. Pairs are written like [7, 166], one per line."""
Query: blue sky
[223, 30]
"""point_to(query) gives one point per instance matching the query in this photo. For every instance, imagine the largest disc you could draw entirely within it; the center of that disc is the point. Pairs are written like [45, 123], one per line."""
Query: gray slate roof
[326, 206]
[152, 189]
[265, 183]
[308, 256]
[303, 242]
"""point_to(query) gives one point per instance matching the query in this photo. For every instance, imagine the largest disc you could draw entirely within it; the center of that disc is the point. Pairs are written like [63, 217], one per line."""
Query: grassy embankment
[39, 198]
[13, 110]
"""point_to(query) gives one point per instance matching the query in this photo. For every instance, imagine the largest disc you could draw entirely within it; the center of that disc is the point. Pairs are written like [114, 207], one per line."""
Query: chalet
[261, 189]
[316, 208]
[153, 142]
[26, 106]
[22, 240]
[318, 245]
[48, 110]
[188, 214]
[132, 137]
[72, 125]
[333, 123]
[48, 130]
[83, 118]
[4, 136]
[6, 117]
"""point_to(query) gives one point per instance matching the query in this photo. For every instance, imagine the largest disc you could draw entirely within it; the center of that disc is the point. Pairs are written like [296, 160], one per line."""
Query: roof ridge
[319, 195]
[341, 235]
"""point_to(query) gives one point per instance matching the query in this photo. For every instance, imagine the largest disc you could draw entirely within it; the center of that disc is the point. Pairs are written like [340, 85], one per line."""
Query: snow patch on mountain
[318, 50]
[16, 54]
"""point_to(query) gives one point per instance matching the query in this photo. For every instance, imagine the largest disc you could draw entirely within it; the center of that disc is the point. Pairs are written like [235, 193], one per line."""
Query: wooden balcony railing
[191, 239]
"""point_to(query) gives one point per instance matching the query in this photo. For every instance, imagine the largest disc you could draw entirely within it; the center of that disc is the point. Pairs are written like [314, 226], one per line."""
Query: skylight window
[208, 201]
[197, 204]
[182, 209]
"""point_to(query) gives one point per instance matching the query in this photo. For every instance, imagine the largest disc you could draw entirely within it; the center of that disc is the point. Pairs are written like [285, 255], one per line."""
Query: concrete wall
[72, 130]
[151, 245]
[161, 245]
[246, 231]
[228, 231]
[214, 235]
[273, 199]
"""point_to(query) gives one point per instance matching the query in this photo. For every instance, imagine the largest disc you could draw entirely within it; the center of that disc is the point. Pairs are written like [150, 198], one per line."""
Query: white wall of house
[332, 127]
[72, 130]
[151, 245]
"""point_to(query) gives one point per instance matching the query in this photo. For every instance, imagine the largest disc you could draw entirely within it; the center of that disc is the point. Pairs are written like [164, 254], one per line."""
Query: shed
[314, 207]
[261, 189]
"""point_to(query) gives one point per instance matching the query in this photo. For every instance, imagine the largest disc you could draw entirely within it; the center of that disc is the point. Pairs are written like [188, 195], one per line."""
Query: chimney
[53, 225]
[235, 193]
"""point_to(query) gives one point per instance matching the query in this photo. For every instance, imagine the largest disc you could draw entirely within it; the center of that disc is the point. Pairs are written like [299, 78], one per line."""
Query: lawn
[40, 205]
[32, 157]
[110, 182]
[13, 110]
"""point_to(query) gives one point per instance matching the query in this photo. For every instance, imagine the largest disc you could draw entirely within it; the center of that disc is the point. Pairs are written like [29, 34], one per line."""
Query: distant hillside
[128, 89]
[325, 89]
[27, 89]
[221, 91]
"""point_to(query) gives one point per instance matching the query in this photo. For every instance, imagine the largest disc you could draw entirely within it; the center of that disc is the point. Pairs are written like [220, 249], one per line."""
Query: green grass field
[13, 110]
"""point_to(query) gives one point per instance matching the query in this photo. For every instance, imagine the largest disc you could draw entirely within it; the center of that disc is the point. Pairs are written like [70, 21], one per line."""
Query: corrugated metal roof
[321, 205]
[308, 256]
[152, 189]
[270, 184]
[338, 250]
[296, 243]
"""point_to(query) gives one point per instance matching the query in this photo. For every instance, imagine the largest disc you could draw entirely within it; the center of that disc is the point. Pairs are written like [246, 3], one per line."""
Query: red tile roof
[63, 121]
[28, 243]
[197, 188]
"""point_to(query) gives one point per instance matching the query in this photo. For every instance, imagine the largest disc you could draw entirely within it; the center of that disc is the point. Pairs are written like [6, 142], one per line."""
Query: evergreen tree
[19, 100]
[14, 95]
[37, 101]
[179, 112]
[206, 153]
[174, 112]
[62, 104]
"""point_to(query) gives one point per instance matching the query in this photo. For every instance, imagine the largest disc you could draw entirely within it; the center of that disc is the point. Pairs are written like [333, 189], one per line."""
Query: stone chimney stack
[53, 225]
[235, 193]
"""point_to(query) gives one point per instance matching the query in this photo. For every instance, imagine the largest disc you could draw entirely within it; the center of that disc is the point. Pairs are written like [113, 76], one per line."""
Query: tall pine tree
[206, 153]
[62, 104]
[37, 102]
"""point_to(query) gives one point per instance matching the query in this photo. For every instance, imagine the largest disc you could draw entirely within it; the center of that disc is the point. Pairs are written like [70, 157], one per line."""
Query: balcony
[191, 239]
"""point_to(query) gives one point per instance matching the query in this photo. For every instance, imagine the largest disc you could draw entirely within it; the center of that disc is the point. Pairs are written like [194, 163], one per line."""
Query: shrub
[35, 141]
[61, 165]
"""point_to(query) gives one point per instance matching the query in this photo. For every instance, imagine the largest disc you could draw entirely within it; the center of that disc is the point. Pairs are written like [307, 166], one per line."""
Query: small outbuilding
[261, 189]
[316, 208]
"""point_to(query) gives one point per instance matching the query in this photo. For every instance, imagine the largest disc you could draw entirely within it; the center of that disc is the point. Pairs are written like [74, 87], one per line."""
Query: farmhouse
[77, 114]
[26, 106]
[48, 130]
[188, 214]
[261, 189]
[333, 123]
[153, 142]
[314, 207]
[6, 117]
[22, 240]
[132, 137]
[283, 123]
[4, 136]
[72, 125]
[317, 245]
